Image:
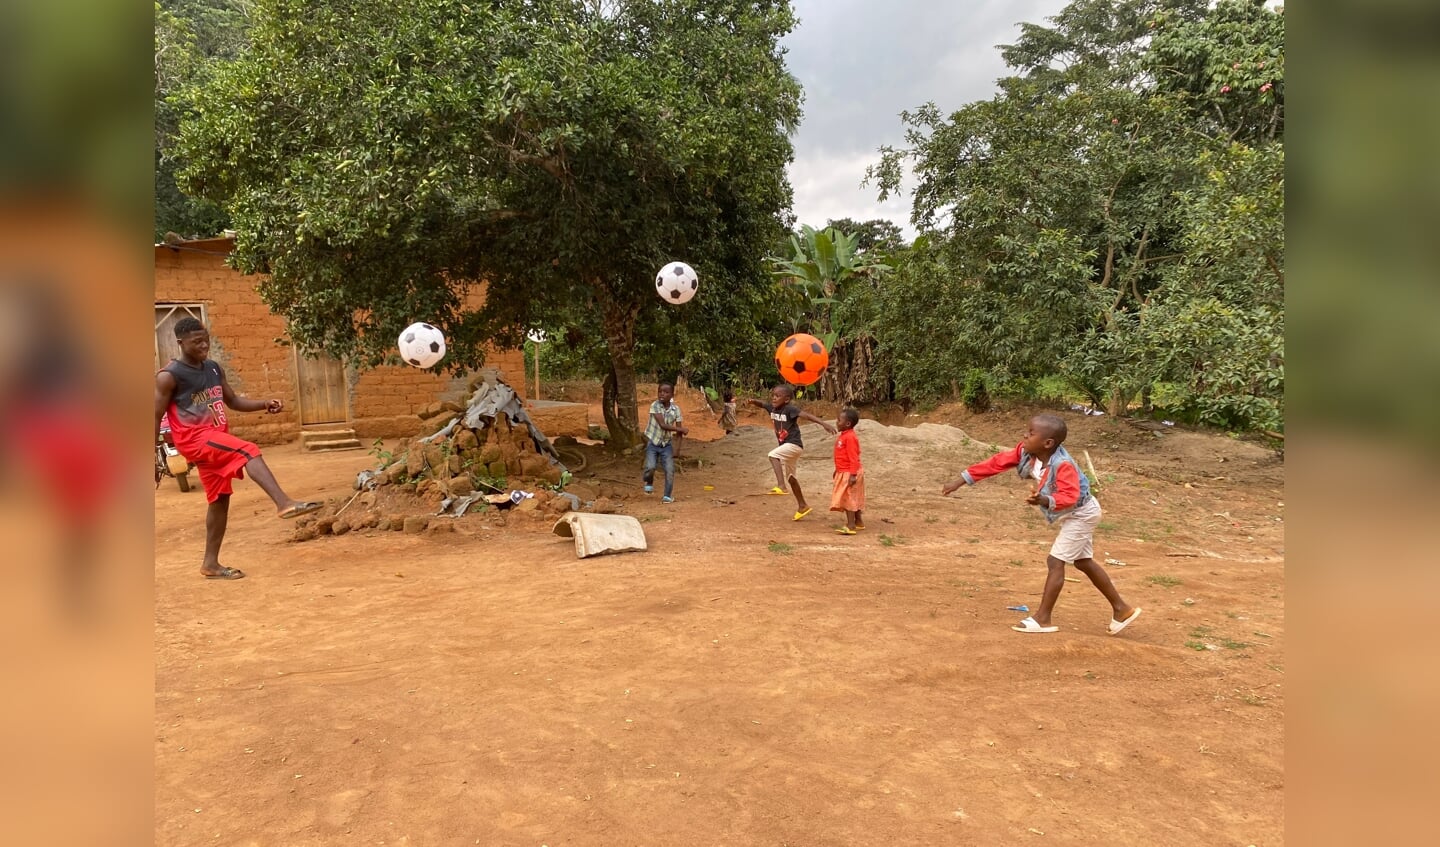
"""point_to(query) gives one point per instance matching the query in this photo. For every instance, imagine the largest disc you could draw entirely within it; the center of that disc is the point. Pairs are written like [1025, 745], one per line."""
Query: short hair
[187, 325]
[728, 395]
[850, 415]
[1054, 427]
[664, 385]
[787, 389]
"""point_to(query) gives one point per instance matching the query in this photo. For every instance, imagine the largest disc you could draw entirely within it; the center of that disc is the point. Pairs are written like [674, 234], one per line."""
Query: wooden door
[321, 387]
[166, 316]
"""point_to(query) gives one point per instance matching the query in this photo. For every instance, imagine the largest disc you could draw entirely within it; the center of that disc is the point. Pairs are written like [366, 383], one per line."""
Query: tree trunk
[621, 415]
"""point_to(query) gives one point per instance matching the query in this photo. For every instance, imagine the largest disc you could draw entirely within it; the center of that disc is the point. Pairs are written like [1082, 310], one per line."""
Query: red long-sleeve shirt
[1066, 490]
[847, 452]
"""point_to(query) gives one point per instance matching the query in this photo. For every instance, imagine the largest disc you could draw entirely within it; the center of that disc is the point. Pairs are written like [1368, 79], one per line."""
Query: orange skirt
[846, 497]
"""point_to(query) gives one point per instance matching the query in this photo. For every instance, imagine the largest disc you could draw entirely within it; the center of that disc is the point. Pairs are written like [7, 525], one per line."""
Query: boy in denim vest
[1063, 494]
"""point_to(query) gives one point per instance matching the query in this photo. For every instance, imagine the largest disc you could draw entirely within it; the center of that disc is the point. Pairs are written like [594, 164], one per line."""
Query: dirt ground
[749, 679]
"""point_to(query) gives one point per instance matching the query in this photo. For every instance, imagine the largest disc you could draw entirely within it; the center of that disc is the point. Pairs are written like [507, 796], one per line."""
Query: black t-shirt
[787, 423]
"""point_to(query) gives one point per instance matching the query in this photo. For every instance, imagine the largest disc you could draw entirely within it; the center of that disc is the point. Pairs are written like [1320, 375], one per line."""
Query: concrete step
[329, 438]
[332, 444]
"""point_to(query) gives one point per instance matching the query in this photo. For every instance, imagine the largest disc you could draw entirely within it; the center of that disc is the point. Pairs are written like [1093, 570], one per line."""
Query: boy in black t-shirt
[786, 456]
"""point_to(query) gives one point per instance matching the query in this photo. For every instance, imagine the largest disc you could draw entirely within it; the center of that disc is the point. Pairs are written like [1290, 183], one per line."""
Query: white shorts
[789, 456]
[1076, 539]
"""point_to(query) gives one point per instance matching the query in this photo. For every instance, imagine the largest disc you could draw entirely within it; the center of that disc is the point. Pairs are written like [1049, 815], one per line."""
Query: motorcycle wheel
[183, 480]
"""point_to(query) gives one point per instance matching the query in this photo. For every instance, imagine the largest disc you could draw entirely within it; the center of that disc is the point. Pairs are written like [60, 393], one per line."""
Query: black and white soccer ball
[422, 345]
[676, 283]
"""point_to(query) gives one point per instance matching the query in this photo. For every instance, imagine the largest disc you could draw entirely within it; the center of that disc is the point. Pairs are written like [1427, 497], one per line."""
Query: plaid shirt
[671, 415]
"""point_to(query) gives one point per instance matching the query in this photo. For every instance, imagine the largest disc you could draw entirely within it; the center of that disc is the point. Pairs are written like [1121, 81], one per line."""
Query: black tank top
[199, 398]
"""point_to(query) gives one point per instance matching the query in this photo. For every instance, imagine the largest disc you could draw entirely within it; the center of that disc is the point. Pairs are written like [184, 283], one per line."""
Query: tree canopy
[378, 159]
[1114, 213]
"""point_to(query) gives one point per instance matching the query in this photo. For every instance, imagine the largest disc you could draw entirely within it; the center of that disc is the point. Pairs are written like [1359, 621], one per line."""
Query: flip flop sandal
[226, 573]
[1116, 626]
[845, 531]
[859, 526]
[299, 509]
[778, 492]
[1029, 625]
[801, 514]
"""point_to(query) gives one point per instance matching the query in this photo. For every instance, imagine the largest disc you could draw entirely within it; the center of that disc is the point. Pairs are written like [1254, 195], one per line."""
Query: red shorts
[219, 457]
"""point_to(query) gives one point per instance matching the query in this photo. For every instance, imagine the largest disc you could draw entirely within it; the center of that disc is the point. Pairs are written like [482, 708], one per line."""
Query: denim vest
[1058, 458]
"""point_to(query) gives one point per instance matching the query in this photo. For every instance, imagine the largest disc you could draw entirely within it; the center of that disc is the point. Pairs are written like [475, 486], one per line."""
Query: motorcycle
[168, 461]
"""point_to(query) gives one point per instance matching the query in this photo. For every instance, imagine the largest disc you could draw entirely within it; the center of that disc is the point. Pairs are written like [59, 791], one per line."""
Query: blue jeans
[666, 456]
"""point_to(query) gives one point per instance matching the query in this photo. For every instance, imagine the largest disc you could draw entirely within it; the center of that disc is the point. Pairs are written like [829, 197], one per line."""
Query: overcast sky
[862, 62]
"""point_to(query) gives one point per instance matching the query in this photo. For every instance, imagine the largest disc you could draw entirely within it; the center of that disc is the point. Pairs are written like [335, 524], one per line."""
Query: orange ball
[801, 359]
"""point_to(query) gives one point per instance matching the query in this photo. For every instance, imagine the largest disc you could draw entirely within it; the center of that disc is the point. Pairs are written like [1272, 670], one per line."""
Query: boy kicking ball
[1063, 494]
[194, 391]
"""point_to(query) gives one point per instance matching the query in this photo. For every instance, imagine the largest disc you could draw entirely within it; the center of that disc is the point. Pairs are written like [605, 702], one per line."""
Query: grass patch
[1107, 525]
[1231, 644]
[1162, 579]
[1016, 563]
[780, 549]
[1195, 645]
[931, 518]
[888, 541]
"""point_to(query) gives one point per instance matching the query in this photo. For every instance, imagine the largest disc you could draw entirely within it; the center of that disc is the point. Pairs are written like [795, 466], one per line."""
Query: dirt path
[750, 679]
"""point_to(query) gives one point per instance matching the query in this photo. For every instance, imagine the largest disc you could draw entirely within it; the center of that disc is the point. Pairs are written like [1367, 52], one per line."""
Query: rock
[435, 456]
[414, 460]
[496, 470]
[340, 527]
[605, 506]
[304, 533]
[396, 472]
[324, 525]
[583, 490]
[454, 463]
[370, 520]
[383, 524]
[466, 440]
[416, 523]
[367, 499]
[461, 485]
[440, 527]
[529, 504]
[490, 453]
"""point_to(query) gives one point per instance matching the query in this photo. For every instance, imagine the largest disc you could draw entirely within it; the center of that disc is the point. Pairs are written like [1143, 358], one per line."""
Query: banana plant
[823, 262]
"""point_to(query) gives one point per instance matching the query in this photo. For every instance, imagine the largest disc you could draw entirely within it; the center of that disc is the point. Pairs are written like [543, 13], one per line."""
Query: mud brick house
[320, 392]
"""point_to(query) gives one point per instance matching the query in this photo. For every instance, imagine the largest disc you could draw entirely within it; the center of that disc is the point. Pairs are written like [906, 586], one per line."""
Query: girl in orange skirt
[848, 495]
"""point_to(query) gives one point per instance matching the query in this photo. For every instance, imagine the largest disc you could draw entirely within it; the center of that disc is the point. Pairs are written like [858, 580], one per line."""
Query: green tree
[190, 35]
[1068, 206]
[378, 159]
[876, 237]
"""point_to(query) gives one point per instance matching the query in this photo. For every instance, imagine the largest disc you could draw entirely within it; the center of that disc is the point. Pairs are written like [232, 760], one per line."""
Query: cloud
[862, 63]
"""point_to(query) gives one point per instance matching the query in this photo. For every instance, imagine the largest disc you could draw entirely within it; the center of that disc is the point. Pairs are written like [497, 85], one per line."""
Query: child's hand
[273, 407]
[950, 487]
[1033, 499]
